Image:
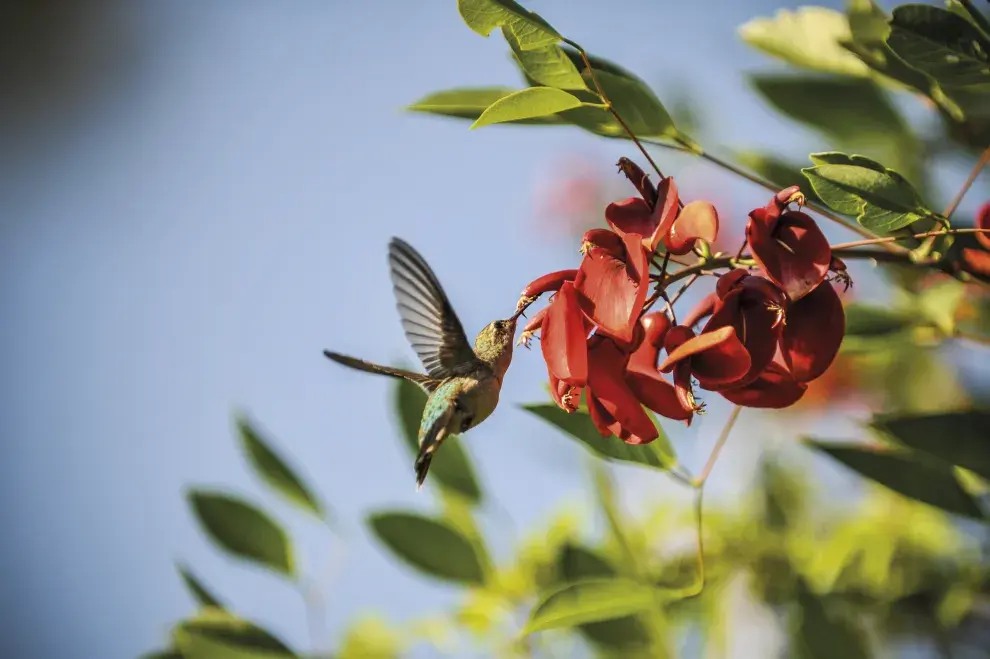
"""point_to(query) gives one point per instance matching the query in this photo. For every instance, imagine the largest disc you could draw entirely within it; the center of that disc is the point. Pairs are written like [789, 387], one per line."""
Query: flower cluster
[772, 325]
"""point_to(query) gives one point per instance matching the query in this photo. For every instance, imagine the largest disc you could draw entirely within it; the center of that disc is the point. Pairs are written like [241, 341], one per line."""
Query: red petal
[657, 394]
[728, 281]
[694, 345]
[536, 322]
[682, 388]
[606, 370]
[600, 417]
[644, 358]
[774, 389]
[756, 325]
[723, 364]
[983, 222]
[795, 255]
[704, 308]
[697, 220]
[548, 282]
[613, 289]
[975, 261]
[815, 326]
[566, 396]
[564, 339]
[664, 213]
[610, 241]
[632, 215]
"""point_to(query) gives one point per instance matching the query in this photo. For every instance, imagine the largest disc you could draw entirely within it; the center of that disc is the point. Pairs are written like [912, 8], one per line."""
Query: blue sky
[186, 243]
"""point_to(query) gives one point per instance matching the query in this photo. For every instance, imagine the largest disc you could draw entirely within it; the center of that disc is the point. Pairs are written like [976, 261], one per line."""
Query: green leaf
[776, 170]
[201, 593]
[471, 102]
[451, 466]
[371, 637]
[970, 14]
[590, 600]
[546, 65]
[527, 103]
[275, 472]
[867, 320]
[243, 530]
[957, 438]
[881, 199]
[432, 546]
[529, 29]
[216, 634]
[162, 654]
[940, 44]
[658, 454]
[928, 482]
[822, 631]
[809, 38]
[632, 98]
[939, 302]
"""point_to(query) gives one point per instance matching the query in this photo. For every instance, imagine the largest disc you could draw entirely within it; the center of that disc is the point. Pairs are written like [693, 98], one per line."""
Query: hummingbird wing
[428, 318]
[424, 381]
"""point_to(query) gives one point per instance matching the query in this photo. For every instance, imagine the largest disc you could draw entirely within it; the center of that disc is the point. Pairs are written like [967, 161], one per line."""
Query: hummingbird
[463, 383]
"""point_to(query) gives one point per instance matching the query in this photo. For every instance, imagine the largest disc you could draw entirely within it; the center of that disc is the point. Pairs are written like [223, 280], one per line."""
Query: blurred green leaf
[632, 98]
[778, 171]
[809, 38]
[451, 466]
[547, 65]
[577, 563]
[526, 104]
[941, 45]
[370, 637]
[880, 198]
[822, 632]
[939, 302]
[971, 17]
[868, 320]
[470, 102]
[957, 438]
[162, 654]
[659, 454]
[201, 593]
[275, 471]
[432, 546]
[243, 530]
[899, 470]
[215, 634]
[528, 27]
[590, 600]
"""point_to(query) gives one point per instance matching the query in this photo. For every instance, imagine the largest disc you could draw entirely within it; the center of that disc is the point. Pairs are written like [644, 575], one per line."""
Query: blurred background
[195, 200]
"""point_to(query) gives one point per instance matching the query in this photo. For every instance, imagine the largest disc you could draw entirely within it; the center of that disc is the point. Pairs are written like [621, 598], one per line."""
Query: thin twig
[890, 239]
[719, 444]
[980, 164]
[680, 292]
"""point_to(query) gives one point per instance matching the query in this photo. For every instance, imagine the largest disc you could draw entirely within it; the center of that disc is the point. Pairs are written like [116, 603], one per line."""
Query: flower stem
[719, 444]
[980, 164]
[890, 239]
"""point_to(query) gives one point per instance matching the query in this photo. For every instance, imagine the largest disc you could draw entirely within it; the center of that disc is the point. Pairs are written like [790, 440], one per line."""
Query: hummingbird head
[493, 344]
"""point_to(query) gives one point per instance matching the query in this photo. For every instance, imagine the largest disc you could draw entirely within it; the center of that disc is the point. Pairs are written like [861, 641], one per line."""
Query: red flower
[715, 358]
[613, 280]
[813, 333]
[775, 388]
[647, 219]
[983, 222]
[755, 308]
[788, 245]
[643, 376]
[696, 221]
[563, 338]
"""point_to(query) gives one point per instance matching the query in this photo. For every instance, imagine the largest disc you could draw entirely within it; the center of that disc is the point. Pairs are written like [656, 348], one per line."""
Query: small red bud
[548, 282]
[638, 178]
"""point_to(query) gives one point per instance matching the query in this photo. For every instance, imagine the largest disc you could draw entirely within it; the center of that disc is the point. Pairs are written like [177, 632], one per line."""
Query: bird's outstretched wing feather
[428, 318]
[425, 381]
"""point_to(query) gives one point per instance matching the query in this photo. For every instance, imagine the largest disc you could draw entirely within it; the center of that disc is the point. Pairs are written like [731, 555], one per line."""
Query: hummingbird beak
[514, 317]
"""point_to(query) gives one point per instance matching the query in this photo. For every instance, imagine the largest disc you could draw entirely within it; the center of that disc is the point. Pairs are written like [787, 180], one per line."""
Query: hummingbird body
[463, 383]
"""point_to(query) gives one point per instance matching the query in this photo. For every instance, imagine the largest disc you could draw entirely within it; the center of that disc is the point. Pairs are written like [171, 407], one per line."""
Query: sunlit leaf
[547, 65]
[590, 600]
[881, 199]
[809, 38]
[821, 631]
[957, 438]
[658, 454]
[527, 103]
[969, 14]
[370, 637]
[274, 470]
[529, 28]
[199, 591]
[215, 634]
[470, 102]
[942, 45]
[451, 466]
[243, 530]
[927, 481]
[432, 546]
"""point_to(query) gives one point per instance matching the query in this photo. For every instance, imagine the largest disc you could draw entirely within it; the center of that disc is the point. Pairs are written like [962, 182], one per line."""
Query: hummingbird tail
[428, 445]
[424, 381]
